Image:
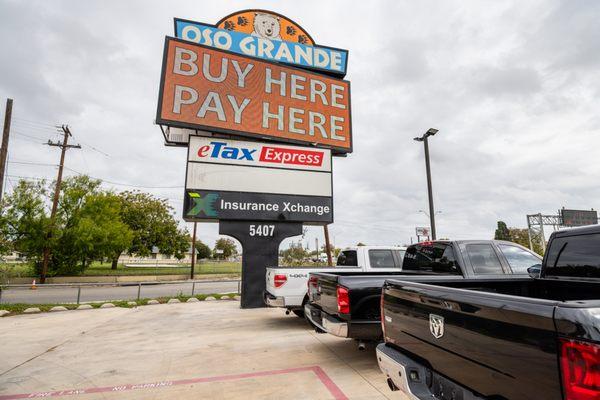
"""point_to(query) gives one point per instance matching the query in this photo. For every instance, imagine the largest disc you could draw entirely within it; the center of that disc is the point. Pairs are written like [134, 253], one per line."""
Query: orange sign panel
[216, 90]
[260, 22]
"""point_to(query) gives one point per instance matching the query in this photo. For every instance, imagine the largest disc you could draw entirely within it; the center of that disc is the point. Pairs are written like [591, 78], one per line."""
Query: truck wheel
[299, 313]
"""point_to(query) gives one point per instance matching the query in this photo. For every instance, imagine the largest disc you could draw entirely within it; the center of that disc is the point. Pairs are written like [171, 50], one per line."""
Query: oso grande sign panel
[268, 36]
[215, 90]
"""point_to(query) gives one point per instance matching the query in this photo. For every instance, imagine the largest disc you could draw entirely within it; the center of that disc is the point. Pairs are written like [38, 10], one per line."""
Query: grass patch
[202, 268]
[18, 308]
[9, 271]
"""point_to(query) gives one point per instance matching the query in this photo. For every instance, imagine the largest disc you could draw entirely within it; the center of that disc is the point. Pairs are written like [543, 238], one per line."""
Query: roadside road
[43, 295]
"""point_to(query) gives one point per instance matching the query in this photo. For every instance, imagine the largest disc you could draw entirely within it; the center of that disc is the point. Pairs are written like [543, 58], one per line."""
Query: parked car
[287, 286]
[347, 304]
[497, 339]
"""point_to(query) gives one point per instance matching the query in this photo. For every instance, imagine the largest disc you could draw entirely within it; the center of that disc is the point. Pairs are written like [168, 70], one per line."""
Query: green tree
[152, 224]
[502, 232]
[521, 236]
[202, 250]
[23, 220]
[294, 255]
[100, 232]
[86, 227]
[224, 248]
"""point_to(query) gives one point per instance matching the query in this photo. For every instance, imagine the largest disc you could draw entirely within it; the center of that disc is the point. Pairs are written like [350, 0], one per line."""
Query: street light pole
[423, 139]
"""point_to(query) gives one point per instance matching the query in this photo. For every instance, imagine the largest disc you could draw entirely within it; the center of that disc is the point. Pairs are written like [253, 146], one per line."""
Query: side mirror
[535, 270]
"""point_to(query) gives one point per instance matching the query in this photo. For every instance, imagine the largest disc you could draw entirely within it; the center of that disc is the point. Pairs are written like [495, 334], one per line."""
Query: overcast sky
[512, 86]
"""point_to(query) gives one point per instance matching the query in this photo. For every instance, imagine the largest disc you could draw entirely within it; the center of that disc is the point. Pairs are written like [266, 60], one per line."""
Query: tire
[299, 313]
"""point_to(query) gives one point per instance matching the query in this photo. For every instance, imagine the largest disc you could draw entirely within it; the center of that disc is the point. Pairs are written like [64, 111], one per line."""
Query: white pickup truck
[287, 287]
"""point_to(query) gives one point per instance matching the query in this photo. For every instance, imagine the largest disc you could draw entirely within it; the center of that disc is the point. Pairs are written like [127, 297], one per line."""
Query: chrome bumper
[411, 377]
[273, 301]
[325, 322]
[394, 370]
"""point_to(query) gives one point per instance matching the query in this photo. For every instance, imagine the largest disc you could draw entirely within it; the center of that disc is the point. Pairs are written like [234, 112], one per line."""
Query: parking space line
[335, 391]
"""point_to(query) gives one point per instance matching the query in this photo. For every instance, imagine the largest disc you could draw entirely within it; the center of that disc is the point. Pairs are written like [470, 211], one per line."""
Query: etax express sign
[215, 90]
[258, 154]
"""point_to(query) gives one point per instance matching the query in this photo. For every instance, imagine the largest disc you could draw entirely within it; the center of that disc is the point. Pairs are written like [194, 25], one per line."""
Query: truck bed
[500, 338]
[365, 290]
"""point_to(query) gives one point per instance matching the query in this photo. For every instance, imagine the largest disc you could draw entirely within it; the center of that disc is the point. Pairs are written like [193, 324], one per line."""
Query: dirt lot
[178, 351]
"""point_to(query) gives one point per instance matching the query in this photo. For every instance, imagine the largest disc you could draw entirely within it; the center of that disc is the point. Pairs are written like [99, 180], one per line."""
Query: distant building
[157, 258]
[13, 257]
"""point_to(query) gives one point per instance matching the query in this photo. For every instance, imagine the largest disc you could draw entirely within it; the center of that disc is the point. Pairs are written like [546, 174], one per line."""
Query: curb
[174, 300]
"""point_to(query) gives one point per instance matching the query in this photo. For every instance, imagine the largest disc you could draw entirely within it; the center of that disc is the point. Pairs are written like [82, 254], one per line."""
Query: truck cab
[287, 286]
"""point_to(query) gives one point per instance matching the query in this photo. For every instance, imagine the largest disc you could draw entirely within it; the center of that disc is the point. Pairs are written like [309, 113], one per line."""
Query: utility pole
[193, 252]
[430, 132]
[328, 246]
[64, 146]
[4, 148]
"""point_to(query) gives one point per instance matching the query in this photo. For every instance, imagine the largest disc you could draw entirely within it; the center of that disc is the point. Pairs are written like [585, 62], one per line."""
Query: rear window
[519, 259]
[347, 258]
[484, 259]
[431, 257]
[574, 256]
[381, 259]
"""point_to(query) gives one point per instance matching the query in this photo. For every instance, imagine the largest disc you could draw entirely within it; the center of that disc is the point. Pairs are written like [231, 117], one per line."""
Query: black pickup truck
[496, 339]
[348, 304]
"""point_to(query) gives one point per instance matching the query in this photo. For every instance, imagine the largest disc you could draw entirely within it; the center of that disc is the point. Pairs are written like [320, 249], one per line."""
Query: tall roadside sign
[262, 109]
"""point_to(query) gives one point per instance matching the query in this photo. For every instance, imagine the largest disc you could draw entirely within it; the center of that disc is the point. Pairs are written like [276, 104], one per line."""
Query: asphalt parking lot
[177, 351]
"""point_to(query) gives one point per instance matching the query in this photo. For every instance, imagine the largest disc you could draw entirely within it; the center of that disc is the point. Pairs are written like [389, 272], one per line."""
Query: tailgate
[496, 345]
[325, 296]
[284, 282]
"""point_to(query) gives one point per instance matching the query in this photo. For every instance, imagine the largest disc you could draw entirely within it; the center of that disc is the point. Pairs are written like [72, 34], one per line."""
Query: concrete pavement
[47, 295]
[179, 351]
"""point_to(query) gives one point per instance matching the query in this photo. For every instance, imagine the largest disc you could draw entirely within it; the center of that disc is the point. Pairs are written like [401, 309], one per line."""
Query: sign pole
[4, 149]
[193, 252]
[259, 251]
[327, 245]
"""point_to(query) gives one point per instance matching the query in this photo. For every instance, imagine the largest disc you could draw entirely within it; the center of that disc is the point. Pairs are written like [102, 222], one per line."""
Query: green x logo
[203, 204]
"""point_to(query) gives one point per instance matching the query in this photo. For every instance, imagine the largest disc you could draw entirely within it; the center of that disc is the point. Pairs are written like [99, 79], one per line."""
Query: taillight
[343, 300]
[580, 368]
[280, 280]
[312, 282]
[382, 314]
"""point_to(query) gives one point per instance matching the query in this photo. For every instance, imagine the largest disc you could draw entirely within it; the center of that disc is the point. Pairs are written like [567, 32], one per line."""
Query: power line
[27, 178]
[28, 140]
[95, 149]
[103, 180]
[37, 122]
[33, 163]
[35, 128]
[16, 132]
[126, 184]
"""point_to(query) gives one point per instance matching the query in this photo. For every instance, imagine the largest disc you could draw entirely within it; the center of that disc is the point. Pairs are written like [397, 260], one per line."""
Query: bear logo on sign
[266, 26]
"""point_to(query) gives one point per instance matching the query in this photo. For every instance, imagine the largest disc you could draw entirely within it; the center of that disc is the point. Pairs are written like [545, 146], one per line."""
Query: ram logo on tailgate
[436, 325]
